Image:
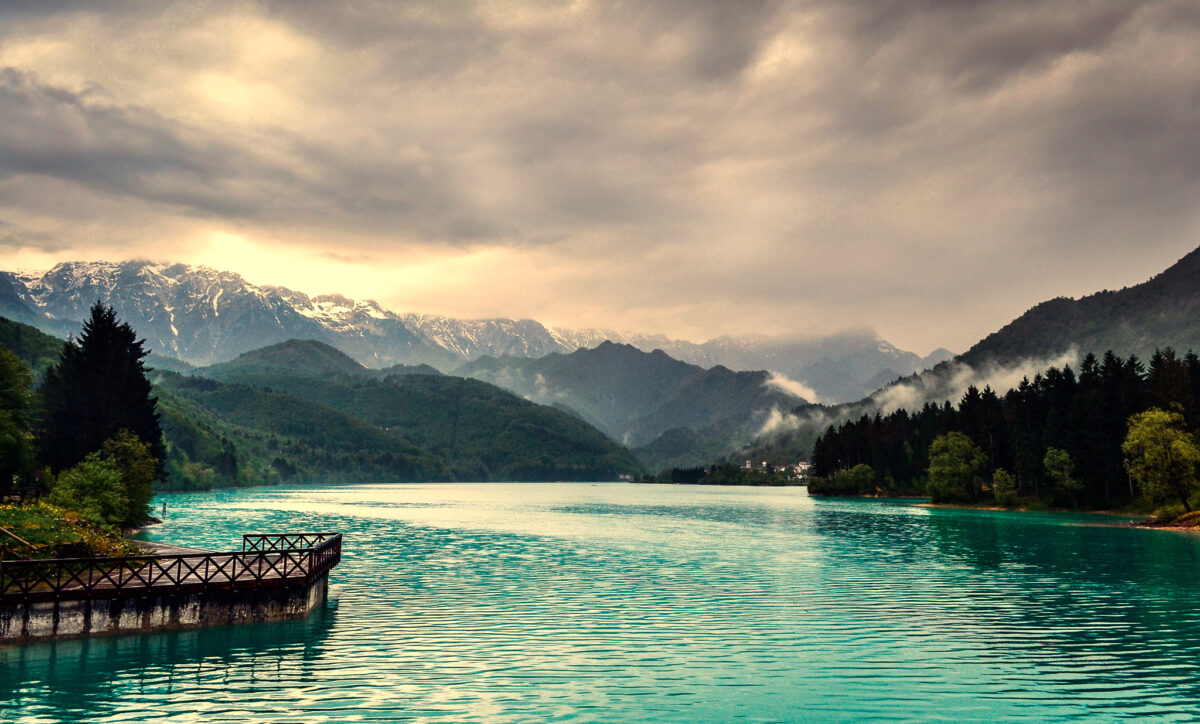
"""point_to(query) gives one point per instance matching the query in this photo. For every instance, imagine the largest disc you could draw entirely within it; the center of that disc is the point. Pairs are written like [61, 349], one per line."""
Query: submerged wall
[157, 611]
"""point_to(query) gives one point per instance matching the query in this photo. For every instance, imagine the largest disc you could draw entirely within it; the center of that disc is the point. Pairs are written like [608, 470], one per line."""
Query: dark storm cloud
[87, 139]
[126, 151]
[807, 163]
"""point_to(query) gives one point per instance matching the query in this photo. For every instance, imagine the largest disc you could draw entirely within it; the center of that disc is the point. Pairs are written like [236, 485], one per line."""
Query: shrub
[956, 466]
[56, 532]
[1004, 488]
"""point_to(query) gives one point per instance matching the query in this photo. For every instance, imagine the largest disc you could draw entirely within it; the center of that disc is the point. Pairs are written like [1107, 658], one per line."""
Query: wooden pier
[274, 576]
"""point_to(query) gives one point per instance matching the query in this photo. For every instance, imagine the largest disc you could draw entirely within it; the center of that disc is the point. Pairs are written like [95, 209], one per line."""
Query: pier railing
[265, 560]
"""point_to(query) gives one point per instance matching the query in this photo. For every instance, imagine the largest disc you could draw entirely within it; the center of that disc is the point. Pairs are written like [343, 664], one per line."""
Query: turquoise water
[618, 602]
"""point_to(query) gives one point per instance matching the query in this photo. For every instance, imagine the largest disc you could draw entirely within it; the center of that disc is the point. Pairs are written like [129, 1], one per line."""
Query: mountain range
[203, 316]
[297, 391]
[639, 397]
[1161, 312]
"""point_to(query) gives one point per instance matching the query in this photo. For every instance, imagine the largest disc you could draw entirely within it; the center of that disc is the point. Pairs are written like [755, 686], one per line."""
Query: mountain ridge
[1159, 312]
[204, 316]
[637, 397]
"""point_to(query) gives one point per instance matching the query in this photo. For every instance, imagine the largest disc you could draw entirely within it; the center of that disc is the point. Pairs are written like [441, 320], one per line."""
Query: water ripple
[643, 603]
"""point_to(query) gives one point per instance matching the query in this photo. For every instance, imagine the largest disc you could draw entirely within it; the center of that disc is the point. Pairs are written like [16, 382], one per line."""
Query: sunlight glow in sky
[928, 169]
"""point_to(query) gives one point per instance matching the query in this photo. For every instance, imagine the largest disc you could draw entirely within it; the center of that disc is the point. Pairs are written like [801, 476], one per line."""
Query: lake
[580, 602]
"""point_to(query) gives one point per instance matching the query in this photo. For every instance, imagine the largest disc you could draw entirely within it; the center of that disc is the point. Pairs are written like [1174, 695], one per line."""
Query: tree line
[87, 439]
[1056, 438]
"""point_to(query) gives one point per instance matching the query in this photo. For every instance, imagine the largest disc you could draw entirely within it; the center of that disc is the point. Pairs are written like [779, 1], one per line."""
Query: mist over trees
[1056, 437]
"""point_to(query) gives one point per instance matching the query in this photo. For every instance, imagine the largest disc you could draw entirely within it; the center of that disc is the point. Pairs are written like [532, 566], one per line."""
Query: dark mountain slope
[294, 355]
[36, 349]
[636, 397]
[1164, 311]
[612, 386]
[271, 434]
[483, 432]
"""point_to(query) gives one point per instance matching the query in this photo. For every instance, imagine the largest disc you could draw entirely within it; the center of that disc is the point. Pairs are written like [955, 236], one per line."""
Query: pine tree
[98, 388]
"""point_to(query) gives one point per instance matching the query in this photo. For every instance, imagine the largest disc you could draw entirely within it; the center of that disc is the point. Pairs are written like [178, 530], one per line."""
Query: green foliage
[956, 468]
[133, 461]
[1162, 456]
[111, 486]
[38, 350]
[56, 532]
[858, 480]
[93, 489]
[1004, 488]
[98, 388]
[1060, 472]
[1080, 415]
[460, 428]
[16, 420]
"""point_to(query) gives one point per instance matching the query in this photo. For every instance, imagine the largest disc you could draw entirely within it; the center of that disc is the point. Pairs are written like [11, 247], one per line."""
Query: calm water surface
[658, 603]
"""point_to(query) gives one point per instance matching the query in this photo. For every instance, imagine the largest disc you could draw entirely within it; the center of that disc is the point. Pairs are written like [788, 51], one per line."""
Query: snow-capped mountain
[204, 316]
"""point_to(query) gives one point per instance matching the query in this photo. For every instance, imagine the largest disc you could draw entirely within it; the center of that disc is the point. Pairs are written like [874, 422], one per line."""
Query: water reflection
[77, 679]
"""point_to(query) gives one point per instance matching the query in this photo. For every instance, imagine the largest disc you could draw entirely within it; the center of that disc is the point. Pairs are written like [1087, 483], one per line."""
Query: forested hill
[36, 349]
[479, 430]
[295, 355]
[674, 413]
[303, 412]
[1162, 312]
[1135, 321]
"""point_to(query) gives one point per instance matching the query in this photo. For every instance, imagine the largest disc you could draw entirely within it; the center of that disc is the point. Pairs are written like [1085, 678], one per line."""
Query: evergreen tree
[16, 419]
[98, 388]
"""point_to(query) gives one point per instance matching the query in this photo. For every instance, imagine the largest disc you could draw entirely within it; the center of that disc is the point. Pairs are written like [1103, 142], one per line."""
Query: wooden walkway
[265, 560]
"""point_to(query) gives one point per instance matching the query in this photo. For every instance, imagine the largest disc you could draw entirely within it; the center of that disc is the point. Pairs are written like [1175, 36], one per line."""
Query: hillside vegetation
[1162, 312]
[302, 411]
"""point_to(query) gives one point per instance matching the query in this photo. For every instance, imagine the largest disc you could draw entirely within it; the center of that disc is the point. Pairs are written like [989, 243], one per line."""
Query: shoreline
[725, 485]
[1142, 522]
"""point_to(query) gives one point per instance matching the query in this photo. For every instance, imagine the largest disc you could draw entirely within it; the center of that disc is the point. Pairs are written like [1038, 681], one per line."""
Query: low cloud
[786, 384]
[948, 383]
[939, 387]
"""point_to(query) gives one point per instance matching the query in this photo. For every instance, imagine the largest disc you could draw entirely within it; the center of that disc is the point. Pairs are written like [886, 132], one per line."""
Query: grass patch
[54, 532]
[1188, 520]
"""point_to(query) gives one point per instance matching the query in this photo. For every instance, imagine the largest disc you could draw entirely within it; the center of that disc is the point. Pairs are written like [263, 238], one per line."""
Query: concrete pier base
[149, 610]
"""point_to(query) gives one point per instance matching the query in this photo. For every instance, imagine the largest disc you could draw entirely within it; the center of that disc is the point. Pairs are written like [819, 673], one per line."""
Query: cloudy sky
[928, 168]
